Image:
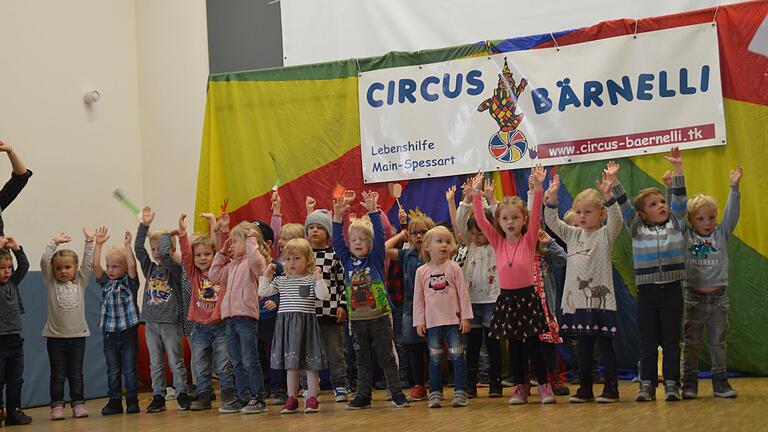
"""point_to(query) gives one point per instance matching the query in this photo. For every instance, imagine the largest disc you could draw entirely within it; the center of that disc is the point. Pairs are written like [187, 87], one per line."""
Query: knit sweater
[240, 276]
[658, 251]
[66, 300]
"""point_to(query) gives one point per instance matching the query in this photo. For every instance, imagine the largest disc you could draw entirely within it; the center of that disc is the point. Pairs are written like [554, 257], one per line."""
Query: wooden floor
[748, 412]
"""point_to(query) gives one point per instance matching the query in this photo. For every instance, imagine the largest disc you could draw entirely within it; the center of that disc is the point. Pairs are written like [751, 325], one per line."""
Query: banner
[611, 98]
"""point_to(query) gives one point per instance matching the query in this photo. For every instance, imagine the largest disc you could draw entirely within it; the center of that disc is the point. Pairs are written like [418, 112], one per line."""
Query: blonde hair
[639, 201]
[421, 219]
[65, 253]
[698, 202]
[506, 202]
[438, 230]
[293, 230]
[592, 195]
[116, 251]
[301, 247]
[568, 217]
[245, 229]
[155, 236]
[201, 240]
[363, 225]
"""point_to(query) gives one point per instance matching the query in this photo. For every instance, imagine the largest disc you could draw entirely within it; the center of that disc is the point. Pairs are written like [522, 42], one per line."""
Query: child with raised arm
[11, 342]
[442, 312]
[66, 328]
[297, 344]
[369, 308]
[208, 341]
[658, 252]
[483, 285]
[518, 315]
[119, 321]
[238, 265]
[589, 300]
[706, 302]
[161, 312]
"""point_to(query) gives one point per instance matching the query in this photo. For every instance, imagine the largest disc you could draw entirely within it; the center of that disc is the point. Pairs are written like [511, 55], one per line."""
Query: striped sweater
[658, 251]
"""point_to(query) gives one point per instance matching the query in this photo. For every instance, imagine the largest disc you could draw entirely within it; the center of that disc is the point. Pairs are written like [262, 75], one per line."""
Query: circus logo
[509, 143]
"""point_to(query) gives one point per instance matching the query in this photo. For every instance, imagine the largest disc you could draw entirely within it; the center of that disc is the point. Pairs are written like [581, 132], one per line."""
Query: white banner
[605, 99]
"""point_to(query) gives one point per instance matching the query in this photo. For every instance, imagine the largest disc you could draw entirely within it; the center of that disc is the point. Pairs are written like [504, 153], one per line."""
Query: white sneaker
[341, 394]
[170, 393]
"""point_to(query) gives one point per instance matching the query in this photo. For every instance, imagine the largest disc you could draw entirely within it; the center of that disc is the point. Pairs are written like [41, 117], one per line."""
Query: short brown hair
[201, 240]
[639, 201]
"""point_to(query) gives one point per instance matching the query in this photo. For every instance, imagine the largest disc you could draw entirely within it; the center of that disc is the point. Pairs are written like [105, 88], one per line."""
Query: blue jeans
[436, 337]
[208, 344]
[120, 349]
[242, 339]
[277, 377]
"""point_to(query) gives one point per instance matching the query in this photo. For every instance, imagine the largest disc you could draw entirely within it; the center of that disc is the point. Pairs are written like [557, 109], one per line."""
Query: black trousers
[660, 313]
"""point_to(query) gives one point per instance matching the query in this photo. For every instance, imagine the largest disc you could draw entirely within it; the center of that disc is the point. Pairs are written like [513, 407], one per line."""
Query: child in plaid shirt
[119, 321]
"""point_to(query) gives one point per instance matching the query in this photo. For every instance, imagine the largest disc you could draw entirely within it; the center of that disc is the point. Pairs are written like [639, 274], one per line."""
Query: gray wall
[243, 35]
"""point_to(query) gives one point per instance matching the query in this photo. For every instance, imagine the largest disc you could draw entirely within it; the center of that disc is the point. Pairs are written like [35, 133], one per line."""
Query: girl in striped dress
[297, 343]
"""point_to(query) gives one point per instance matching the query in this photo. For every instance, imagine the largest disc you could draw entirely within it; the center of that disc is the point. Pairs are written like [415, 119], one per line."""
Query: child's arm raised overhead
[100, 238]
[679, 197]
[22, 263]
[46, 267]
[450, 198]
[552, 217]
[628, 213]
[187, 256]
[166, 255]
[477, 206]
[340, 206]
[139, 246]
[371, 203]
[85, 270]
[605, 185]
[276, 222]
[219, 269]
[129, 258]
[534, 220]
[733, 207]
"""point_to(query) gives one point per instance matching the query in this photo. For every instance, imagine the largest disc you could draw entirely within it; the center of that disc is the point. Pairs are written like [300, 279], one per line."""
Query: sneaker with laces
[17, 418]
[722, 388]
[690, 389]
[203, 401]
[399, 400]
[418, 393]
[132, 405]
[57, 412]
[647, 392]
[291, 406]
[583, 394]
[610, 393]
[254, 406]
[358, 403]
[183, 403]
[672, 391]
[519, 395]
[157, 405]
[114, 406]
[311, 405]
[460, 399]
[546, 394]
[340, 394]
[435, 399]
[230, 407]
[79, 411]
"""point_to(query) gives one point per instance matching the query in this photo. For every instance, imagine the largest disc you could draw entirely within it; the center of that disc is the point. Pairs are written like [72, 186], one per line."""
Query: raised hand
[62, 238]
[370, 201]
[488, 188]
[127, 238]
[310, 203]
[605, 183]
[147, 215]
[450, 194]
[318, 273]
[226, 246]
[466, 190]
[182, 225]
[554, 187]
[223, 222]
[667, 179]
[543, 236]
[349, 196]
[270, 271]
[11, 244]
[3, 242]
[477, 182]
[612, 168]
[5, 147]
[275, 202]
[340, 206]
[402, 216]
[89, 234]
[735, 176]
[675, 157]
[102, 235]
[539, 175]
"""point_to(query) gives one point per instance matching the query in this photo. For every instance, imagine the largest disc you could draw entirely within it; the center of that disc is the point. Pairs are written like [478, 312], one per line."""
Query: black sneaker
[132, 405]
[359, 403]
[183, 402]
[399, 400]
[114, 406]
[17, 418]
[157, 405]
[722, 388]
[583, 394]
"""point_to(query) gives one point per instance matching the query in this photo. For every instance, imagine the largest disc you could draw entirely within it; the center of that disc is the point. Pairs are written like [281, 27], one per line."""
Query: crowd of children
[297, 300]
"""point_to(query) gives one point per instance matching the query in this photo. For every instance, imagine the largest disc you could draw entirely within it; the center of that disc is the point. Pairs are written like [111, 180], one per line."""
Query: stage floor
[748, 412]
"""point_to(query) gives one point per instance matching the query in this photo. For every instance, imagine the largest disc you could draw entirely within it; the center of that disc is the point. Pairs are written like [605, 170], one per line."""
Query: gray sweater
[66, 300]
[162, 301]
[706, 257]
[10, 310]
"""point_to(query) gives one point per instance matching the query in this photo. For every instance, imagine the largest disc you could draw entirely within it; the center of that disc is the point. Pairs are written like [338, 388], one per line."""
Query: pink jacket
[241, 276]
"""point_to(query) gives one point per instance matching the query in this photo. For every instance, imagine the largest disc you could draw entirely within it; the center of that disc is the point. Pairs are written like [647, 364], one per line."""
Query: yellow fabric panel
[707, 169]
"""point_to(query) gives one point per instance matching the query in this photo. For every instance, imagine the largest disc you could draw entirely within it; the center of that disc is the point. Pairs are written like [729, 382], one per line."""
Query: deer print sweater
[589, 301]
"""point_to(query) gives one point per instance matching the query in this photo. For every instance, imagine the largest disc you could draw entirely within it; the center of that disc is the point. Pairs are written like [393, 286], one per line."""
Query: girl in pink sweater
[518, 315]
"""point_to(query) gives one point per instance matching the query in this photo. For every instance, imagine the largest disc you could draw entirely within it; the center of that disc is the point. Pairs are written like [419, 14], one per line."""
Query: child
[238, 265]
[208, 341]
[331, 311]
[410, 259]
[589, 300]
[66, 328]
[11, 342]
[483, 285]
[298, 342]
[518, 316]
[658, 251]
[369, 314]
[706, 302]
[119, 321]
[161, 312]
[442, 312]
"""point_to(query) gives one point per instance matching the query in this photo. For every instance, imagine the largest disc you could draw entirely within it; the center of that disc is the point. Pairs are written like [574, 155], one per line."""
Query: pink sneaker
[520, 395]
[311, 405]
[57, 413]
[79, 411]
[546, 394]
[291, 406]
[418, 393]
